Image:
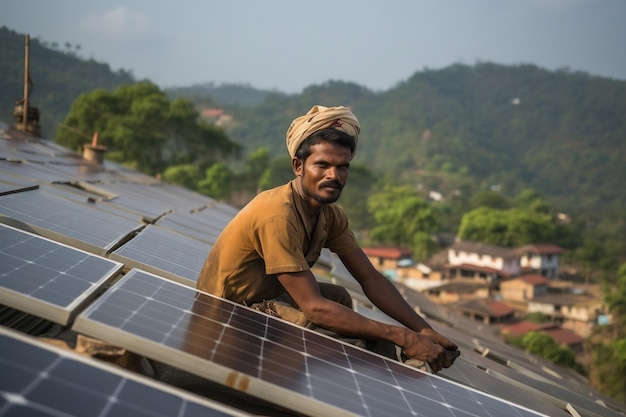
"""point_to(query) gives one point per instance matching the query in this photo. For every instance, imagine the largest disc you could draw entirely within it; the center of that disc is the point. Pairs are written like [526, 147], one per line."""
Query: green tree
[532, 200]
[255, 166]
[404, 219]
[542, 345]
[184, 174]
[216, 182]
[615, 297]
[513, 227]
[609, 368]
[489, 199]
[144, 130]
[278, 172]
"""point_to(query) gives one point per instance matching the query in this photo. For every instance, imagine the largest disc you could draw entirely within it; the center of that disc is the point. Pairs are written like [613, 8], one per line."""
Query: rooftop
[104, 252]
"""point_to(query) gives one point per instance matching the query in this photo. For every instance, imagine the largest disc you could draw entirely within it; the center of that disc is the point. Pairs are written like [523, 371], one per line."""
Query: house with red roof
[487, 310]
[564, 337]
[385, 258]
[523, 288]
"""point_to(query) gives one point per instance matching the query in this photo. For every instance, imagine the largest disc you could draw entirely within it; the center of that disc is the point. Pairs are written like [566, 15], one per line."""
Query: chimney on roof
[94, 152]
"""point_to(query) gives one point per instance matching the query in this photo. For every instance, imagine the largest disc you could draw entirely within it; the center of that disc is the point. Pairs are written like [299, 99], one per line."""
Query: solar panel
[194, 225]
[46, 278]
[42, 380]
[272, 359]
[140, 198]
[166, 253]
[42, 173]
[468, 373]
[80, 225]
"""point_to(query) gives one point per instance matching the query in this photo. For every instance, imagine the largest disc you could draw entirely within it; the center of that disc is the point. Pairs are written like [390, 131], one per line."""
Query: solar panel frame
[269, 358]
[10, 186]
[49, 279]
[43, 379]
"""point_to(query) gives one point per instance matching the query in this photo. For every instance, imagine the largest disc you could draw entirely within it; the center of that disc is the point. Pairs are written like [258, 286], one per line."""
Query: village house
[486, 310]
[451, 292]
[216, 116]
[390, 260]
[577, 311]
[541, 259]
[523, 288]
[469, 261]
[482, 261]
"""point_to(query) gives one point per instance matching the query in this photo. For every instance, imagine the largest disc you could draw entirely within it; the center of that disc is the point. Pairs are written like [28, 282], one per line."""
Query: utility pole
[26, 116]
[26, 80]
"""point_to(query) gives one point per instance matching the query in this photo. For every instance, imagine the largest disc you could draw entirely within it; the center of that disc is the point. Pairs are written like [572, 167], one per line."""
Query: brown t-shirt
[271, 235]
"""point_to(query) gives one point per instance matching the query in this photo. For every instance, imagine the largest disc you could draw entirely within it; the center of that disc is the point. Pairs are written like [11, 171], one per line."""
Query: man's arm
[331, 315]
[384, 295]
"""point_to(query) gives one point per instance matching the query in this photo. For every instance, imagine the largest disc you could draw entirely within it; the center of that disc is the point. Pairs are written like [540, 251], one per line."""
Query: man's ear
[297, 165]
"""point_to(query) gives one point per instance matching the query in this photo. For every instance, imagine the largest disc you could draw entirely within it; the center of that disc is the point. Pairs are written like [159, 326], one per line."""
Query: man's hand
[438, 338]
[431, 347]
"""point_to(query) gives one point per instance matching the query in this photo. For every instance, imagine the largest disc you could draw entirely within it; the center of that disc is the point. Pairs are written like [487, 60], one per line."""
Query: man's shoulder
[273, 201]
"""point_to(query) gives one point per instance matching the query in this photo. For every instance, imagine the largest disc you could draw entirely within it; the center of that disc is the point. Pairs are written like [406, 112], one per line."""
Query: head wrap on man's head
[320, 117]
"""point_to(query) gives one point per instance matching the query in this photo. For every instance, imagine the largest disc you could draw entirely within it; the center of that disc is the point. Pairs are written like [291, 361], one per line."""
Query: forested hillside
[454, 130]
[58, 76]
[501, 127]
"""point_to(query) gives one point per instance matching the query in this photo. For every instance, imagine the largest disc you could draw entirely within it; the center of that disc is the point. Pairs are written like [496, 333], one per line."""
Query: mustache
[335, 184]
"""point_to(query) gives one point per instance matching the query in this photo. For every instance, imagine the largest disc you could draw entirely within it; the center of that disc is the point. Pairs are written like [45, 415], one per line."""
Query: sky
[288, 45]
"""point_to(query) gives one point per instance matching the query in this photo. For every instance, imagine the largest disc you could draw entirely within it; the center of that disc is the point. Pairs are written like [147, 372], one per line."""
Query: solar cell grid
[139, 198]
[76, 224]
[46, 278]
[166, 253]
[269, 358]
[54, 382]
[42, 173]
[10, 184]
[193, 225]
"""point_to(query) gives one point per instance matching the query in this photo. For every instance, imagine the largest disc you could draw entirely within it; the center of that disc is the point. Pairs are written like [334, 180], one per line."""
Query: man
[264, 255]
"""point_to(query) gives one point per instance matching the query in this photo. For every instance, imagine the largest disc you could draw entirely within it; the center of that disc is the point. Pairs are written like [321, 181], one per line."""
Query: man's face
[325, 172]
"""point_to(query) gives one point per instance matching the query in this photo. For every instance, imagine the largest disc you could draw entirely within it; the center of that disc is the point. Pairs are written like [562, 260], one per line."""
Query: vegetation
[146, 131]
[503, 154]
[526, 220]
[404, 219]
[608, 345]
[544, 346]
[58, 76]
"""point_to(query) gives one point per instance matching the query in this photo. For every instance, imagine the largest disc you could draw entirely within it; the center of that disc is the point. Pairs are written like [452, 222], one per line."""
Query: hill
[485, 126]
[224, 94]
[58, 77]
[454, 130]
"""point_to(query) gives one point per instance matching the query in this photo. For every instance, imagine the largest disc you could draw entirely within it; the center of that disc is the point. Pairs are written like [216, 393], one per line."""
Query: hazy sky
[290, 44]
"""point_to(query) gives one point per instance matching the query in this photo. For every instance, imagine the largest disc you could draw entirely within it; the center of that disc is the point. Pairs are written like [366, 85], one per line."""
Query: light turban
[320, 117]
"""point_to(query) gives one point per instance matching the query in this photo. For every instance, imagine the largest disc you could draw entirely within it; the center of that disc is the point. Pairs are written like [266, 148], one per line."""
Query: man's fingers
[440, 339]
[450, 356]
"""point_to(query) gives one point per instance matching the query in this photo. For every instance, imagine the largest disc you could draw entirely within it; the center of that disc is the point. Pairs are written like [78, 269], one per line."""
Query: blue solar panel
[79, 225]
[40, 380]
[272, 359]
[46, 278]
[165, 252]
